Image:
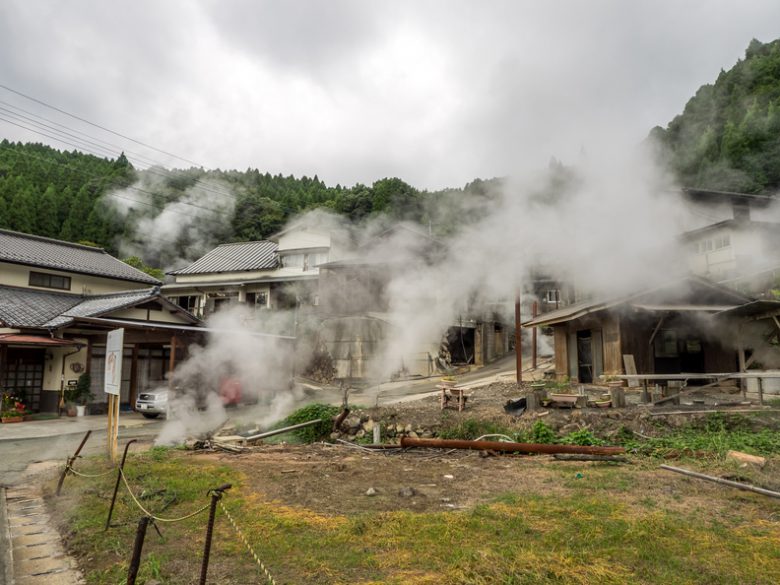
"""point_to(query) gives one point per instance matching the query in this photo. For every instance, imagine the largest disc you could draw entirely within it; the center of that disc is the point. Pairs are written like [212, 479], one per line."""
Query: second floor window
[45, 280]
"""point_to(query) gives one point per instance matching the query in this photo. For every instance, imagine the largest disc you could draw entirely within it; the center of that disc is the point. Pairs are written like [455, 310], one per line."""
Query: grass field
[583, 523]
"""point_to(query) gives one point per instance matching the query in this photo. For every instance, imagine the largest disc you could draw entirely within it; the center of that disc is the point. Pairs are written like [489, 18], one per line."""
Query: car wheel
[150, 414]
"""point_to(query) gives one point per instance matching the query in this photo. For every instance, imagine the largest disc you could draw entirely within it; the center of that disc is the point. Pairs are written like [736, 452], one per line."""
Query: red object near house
[230, 391]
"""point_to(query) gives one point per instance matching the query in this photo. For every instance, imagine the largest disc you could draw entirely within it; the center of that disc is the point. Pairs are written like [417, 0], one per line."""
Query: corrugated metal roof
[58, 255]
[236, 257]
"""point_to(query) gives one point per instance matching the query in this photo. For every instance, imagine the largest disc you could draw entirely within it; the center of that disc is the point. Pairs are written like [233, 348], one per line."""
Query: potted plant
[76, 397]
[83, 394]
[12, 409]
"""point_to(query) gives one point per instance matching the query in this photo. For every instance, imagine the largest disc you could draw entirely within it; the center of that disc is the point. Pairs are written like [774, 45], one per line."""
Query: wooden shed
[667, 329]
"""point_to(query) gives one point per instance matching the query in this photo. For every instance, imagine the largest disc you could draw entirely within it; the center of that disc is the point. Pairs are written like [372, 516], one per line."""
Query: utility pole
[534, 310]
[518, 341]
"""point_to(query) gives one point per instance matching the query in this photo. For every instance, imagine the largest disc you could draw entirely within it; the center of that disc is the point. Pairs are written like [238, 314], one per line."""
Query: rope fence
[150, 518]
[247, 545]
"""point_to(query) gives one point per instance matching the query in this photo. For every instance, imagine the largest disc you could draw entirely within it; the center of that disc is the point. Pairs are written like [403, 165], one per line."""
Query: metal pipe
[508, 447]
[216, 495]
[138, 545]
[118, 479]
[734, 484]
[70, 462]
[283, 430]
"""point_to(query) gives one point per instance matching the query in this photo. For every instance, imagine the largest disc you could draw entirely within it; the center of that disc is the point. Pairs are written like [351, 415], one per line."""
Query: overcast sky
[437, 93]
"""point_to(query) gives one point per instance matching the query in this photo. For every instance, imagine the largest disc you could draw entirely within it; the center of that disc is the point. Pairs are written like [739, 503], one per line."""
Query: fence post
[70, 462]
[216, 495]
[138, 545]
[118, 479]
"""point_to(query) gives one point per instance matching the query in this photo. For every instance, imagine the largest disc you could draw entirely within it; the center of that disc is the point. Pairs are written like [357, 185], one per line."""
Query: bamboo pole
[728, 482]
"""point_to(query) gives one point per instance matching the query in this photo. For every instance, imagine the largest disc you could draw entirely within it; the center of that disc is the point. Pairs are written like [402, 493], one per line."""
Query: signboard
[113, 378]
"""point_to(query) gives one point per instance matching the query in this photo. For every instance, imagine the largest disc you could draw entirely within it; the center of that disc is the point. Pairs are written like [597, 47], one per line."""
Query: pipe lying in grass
[735, 484]
[283, 430]
[509, 447]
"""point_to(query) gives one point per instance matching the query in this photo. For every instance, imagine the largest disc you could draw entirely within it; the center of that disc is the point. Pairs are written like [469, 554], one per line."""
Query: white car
[152, 403]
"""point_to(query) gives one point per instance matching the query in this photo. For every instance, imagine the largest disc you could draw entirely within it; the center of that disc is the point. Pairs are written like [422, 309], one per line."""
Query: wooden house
[668, 329]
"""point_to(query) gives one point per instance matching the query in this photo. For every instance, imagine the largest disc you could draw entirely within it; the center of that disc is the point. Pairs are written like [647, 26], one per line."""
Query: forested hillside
[81, 197]
[728, 136]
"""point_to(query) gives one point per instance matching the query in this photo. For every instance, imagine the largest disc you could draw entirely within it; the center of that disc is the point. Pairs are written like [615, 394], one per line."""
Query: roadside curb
[6, 552]
[68, 433]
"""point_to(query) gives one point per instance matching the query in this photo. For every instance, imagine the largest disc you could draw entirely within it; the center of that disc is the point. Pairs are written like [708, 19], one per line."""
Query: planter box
[11, 419]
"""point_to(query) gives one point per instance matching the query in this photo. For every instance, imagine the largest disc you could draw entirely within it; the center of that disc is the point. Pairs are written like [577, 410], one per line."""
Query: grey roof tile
[237, 257]
[94, 306]
[21, 307]
[58, 255]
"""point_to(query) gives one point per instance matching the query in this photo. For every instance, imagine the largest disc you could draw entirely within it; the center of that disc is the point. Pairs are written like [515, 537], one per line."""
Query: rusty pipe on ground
[508, 447]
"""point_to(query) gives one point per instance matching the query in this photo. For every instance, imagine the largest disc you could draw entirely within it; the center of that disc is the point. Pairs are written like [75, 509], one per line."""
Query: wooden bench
[456, 394]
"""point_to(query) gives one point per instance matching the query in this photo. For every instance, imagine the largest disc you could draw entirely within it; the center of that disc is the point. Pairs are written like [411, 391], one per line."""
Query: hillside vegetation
[80, 197]
[728, 136]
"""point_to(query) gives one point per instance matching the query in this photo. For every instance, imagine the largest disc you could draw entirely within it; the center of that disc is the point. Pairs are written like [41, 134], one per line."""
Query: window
[665, 344]
[723, 241]
[258, 299]
[45, 280]
[188, 303]
[293, 261]
[552, 296]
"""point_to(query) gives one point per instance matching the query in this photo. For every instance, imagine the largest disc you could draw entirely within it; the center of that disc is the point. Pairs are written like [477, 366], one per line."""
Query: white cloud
[434, 92]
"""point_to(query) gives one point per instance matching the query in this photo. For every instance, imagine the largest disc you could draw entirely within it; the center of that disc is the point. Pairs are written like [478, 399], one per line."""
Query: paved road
[17, 454]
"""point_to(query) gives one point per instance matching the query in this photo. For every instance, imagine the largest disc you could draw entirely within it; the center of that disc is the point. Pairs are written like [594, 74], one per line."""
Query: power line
[74, 116]
[133, 188]
[133, 155]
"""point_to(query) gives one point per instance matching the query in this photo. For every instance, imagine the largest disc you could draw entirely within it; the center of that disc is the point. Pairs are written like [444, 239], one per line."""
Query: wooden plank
[630, 366]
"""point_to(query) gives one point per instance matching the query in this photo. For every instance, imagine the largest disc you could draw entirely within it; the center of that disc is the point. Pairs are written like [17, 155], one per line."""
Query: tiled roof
[57, 255]
[237, 257]
[21, 307]
[98, 305]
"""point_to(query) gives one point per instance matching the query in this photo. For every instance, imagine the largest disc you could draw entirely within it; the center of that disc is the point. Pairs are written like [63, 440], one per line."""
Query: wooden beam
[134, 376]
[172, 362]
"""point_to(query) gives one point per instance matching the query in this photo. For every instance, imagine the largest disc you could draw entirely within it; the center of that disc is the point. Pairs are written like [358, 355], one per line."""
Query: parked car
[152, 403]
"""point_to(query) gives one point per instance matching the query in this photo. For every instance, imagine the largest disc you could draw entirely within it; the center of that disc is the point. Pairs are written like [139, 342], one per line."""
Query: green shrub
[541, 433]
[310, 412]
[581, 437]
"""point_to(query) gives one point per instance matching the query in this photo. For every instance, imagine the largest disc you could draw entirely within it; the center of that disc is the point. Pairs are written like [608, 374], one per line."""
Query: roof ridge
[54, 241]
[249, 242]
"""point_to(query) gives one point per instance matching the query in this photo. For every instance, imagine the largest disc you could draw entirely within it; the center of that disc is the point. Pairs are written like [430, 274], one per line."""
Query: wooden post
[618, 396]
[172, 362]
[534, 309]
[134, 376]
[518, 341]
[742, 364]
[113, 425]
[760, 390]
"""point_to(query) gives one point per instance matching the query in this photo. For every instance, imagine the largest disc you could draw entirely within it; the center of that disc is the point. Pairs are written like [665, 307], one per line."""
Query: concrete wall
[53, 372]
[19, 275]
[300, 239]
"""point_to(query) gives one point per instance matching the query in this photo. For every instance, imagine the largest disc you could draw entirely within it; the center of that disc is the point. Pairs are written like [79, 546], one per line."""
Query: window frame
[47, 280]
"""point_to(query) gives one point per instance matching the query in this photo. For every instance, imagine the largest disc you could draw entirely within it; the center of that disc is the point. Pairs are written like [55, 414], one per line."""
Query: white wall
[19, 275]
